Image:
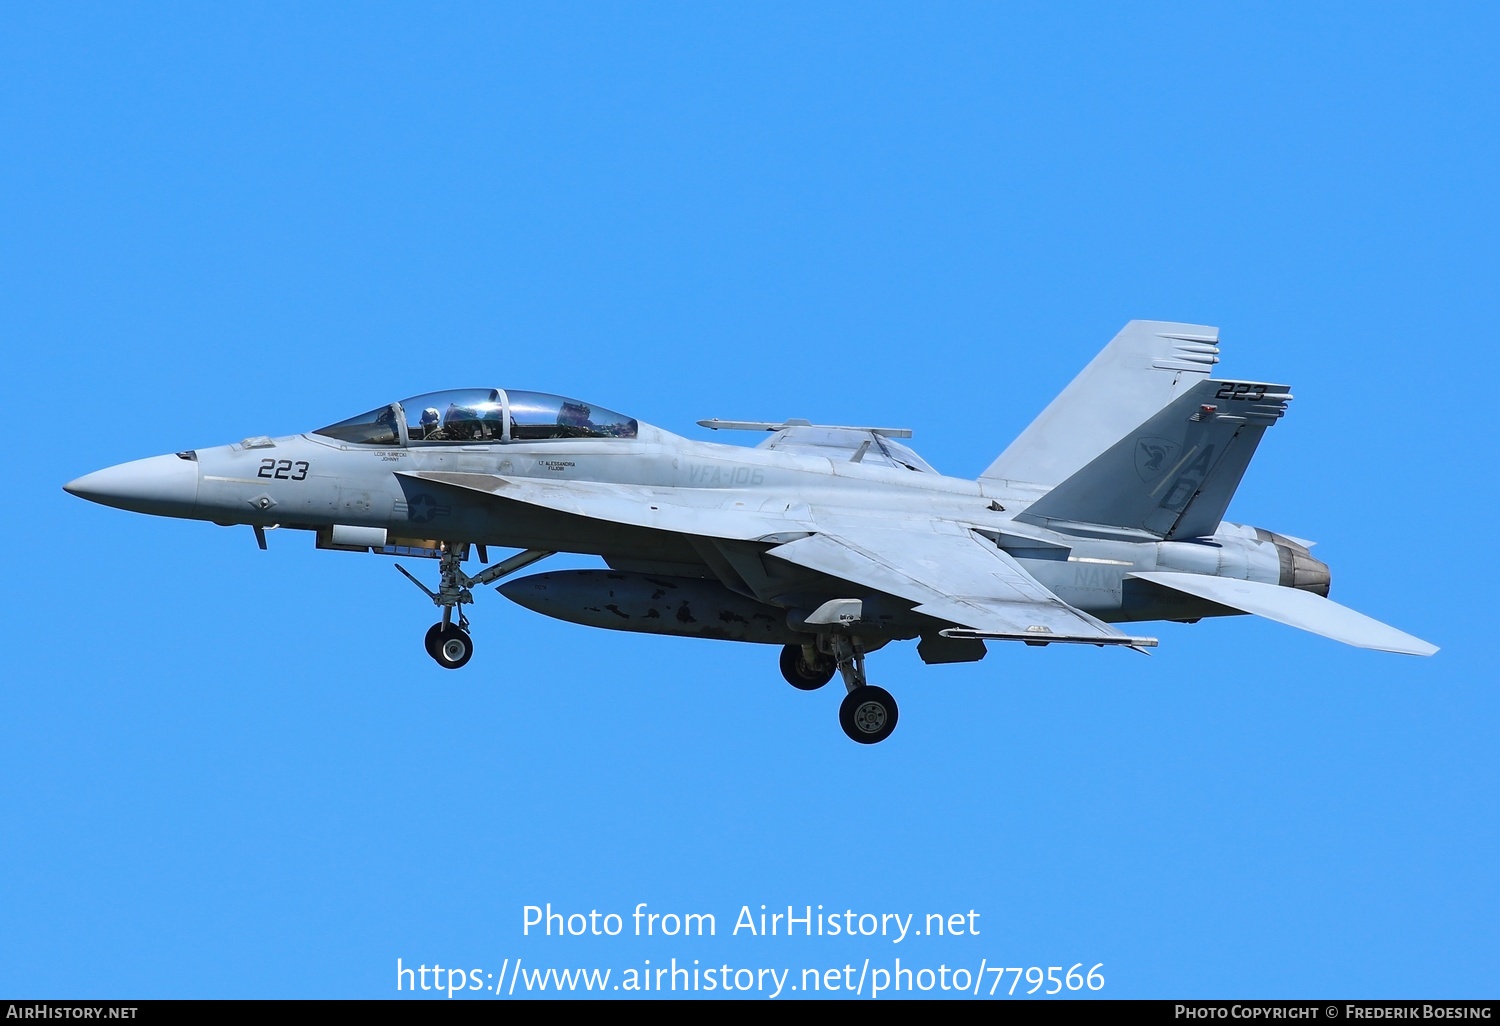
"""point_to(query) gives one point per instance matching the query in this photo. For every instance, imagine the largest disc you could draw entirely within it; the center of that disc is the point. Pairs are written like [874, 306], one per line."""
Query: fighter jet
[828, 541]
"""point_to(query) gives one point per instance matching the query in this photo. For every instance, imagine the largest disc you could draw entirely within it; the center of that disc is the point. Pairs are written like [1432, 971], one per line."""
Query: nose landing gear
[448, 643]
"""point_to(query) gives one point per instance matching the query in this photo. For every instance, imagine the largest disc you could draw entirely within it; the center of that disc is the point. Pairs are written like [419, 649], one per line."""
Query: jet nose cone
[164, 485]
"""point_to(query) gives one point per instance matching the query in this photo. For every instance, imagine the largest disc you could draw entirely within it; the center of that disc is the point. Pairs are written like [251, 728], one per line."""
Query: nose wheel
[448, 643]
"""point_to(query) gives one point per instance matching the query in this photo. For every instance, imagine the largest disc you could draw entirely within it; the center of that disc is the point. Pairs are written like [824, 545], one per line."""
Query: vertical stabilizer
[1146, 366]
[1172, 476]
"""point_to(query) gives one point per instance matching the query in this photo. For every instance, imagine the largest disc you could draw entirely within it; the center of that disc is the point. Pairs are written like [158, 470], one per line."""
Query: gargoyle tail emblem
[1153, 456]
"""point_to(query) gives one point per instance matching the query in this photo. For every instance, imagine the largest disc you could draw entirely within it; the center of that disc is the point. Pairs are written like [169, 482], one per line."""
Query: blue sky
[234, 773]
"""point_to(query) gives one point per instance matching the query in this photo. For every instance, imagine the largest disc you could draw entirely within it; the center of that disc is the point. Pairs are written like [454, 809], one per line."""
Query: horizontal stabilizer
[1301, 609]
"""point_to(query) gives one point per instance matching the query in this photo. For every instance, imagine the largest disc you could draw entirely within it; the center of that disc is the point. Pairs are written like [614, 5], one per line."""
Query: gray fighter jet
[828, 541]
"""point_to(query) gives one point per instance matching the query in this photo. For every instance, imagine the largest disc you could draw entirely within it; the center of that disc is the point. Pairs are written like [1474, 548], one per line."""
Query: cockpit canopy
[479, 416]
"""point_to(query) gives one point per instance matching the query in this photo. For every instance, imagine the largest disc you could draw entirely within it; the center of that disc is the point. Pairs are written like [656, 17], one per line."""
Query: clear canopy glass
[481, 416]
[459, 415]
[536, 415]
[378, 427]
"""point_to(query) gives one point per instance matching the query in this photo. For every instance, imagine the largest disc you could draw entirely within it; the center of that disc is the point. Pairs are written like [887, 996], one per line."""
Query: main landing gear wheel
[449, 646]
[801, 674]
[868, 714]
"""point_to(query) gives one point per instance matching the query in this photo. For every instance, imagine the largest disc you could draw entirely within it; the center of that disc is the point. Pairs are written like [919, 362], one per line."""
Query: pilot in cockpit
[470, 424]
[431, 425]
[573, 421]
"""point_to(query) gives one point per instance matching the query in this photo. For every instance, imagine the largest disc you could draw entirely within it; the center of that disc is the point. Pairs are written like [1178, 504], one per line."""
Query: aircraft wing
[952, 574]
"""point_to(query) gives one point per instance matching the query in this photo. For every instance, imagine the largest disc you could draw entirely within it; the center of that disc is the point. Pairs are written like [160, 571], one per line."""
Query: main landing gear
[447, 642]
[868, 713]
[805, 668]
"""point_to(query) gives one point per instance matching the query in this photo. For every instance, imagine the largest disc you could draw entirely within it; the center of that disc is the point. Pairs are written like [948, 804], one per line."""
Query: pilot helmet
[430, 419]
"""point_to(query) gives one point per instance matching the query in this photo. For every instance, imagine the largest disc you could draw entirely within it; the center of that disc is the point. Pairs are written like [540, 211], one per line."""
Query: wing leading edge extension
[953, 576]
[633, 505]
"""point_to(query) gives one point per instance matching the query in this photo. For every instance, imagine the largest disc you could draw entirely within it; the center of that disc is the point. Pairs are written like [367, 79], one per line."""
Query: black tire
[431, 641]
[868, 714]
[802, 676]
[452, 648]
